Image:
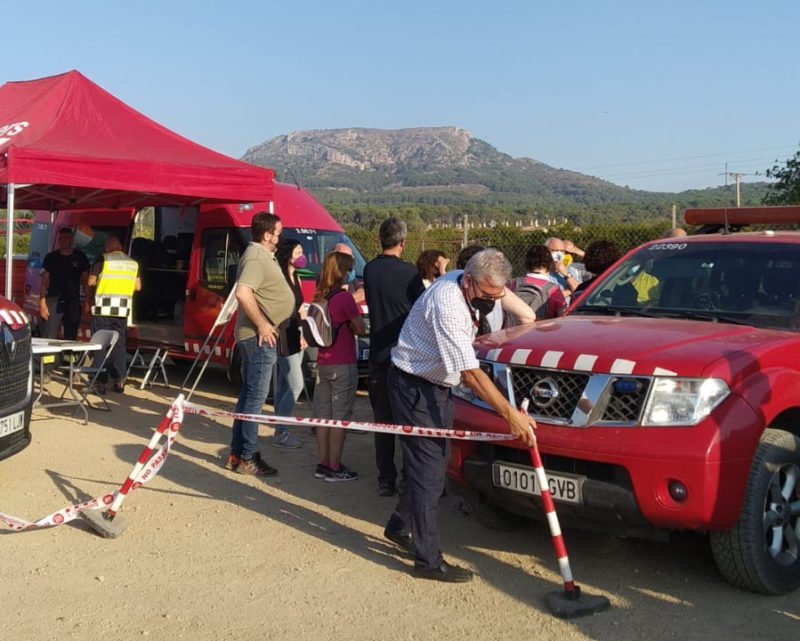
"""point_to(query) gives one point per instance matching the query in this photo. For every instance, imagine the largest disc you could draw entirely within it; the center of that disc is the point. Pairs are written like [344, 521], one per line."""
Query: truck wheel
[761, 552]
[235, 367]
[491, 516]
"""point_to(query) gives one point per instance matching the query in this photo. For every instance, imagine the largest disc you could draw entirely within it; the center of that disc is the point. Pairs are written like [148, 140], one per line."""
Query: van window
[316, 243]
[221, 249]
[39, 244]
[91, 238]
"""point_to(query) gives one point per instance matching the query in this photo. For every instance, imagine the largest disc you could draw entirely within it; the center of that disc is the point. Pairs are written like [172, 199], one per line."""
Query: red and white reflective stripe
[148, 465]
[364, 426]
[550, 511]
[144, 470]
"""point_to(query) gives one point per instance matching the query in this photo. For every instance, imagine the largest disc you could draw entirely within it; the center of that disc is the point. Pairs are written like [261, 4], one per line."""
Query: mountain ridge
[444, 165]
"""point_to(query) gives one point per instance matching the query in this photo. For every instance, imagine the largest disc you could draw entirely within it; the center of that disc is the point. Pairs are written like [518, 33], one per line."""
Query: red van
[188, 258]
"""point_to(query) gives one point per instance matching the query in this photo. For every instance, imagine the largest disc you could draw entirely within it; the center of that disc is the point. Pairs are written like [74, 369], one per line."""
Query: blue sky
[656, 96]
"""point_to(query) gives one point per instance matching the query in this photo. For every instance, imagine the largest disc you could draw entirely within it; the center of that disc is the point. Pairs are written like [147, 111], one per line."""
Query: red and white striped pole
[552, 519]
[107, 523]
[570, 603]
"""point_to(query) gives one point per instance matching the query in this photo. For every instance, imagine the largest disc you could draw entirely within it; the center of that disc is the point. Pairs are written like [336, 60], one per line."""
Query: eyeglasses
[486, 296]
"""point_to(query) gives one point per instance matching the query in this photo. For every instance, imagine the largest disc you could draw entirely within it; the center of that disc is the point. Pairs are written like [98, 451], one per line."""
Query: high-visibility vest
[116, 283]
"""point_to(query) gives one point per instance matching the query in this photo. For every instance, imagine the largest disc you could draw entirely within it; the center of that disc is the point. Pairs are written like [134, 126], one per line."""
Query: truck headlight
[682, 401]
[498, 373]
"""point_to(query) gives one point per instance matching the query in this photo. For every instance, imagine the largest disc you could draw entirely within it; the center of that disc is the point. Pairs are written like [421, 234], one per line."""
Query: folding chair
[88, 372]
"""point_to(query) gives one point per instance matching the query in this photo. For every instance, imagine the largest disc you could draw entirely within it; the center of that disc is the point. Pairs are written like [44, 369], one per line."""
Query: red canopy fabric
[67, 143]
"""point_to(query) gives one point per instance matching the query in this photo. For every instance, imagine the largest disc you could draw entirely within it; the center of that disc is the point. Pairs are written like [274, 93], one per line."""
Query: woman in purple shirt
[337, 373]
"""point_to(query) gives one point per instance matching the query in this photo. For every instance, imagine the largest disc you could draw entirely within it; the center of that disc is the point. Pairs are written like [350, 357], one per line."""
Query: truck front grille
[15, 363]
[556, 395]
[568, 385]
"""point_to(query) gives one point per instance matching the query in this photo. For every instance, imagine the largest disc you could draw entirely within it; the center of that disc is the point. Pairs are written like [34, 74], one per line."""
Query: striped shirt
[436, 340]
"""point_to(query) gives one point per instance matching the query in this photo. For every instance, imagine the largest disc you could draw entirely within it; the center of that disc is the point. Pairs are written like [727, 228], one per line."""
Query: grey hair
[489, 264]
[392, 231]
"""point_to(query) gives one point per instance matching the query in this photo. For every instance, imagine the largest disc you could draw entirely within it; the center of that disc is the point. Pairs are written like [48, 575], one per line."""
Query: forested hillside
[436, 174]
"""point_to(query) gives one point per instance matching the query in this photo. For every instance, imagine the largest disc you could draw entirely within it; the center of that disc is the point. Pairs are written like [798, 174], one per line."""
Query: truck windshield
[751, 283]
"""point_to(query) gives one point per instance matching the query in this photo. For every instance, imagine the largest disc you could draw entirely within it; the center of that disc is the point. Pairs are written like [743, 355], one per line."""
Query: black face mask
[483, 306]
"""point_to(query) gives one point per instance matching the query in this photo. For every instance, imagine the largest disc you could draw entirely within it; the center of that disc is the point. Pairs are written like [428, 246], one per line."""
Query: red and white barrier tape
[363, 426]
[148, 464]
[151, 460]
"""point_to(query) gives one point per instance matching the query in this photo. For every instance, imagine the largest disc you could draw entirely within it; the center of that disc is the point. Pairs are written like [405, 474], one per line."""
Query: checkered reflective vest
[115, 285]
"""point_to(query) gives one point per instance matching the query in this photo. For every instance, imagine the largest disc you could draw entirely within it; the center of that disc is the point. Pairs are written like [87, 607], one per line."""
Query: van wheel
[761, 552]
[235, 367]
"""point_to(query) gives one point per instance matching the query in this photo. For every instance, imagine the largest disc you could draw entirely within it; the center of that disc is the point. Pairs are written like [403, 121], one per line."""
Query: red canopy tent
[66, 143]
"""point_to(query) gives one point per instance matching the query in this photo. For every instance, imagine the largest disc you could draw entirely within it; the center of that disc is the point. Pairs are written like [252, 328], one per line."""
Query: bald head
[555, 244]
[112, 244]
[675, 232]
[342, 247]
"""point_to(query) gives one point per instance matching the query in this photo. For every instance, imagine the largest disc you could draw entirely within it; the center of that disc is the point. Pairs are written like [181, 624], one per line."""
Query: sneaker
[285, 441]
[233, 462]
[321, 471]
[344, 473]
[100, 387]
[255, 466]
[119, 385]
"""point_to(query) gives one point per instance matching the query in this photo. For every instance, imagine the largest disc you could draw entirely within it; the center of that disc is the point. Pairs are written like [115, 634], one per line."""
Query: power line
[682, 158]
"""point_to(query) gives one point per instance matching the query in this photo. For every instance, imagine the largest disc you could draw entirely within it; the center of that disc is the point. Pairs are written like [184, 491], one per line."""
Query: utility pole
[674, 216]
[736, 176]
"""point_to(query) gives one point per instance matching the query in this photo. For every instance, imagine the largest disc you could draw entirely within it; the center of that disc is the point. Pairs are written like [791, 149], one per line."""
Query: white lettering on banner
[7, 131]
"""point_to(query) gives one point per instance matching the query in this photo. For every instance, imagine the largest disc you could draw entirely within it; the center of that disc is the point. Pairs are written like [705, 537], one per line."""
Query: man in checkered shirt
[434, 353]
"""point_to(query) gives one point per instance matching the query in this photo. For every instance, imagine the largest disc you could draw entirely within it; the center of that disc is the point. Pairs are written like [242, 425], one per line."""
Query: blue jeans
[288, 385]
[257, 364]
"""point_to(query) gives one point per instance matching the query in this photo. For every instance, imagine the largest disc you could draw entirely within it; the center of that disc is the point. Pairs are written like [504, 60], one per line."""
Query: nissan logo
[544, 393]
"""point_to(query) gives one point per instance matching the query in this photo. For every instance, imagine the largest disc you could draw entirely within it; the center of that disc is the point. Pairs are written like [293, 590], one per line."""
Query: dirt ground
[208, 554]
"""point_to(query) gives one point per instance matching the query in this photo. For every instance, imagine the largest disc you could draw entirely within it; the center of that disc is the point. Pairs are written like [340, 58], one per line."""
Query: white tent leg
[9, 239]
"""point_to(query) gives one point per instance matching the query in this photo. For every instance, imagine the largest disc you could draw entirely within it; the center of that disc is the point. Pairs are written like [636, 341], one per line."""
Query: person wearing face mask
[265, 301]
[561, 274]
[509, 306]
[289, 367]
[434, 352]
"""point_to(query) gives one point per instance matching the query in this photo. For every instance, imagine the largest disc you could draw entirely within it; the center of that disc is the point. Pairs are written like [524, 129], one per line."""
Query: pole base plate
[105, 525]
[570, 605]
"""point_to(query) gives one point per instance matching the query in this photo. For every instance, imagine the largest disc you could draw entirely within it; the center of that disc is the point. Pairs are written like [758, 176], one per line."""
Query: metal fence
[513, 241]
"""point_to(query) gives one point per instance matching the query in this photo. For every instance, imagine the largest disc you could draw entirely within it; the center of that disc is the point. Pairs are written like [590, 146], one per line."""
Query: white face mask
[558, 256]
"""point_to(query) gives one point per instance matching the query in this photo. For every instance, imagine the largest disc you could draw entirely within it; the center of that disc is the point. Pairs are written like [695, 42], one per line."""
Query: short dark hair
[426, 262]
[392, 232]
[65, 230]
[600, 255]
[466, 253]
[538, 256]
[263, 222]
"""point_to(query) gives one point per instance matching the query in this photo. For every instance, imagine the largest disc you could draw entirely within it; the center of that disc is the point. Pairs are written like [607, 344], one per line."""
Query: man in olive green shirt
[265, 301]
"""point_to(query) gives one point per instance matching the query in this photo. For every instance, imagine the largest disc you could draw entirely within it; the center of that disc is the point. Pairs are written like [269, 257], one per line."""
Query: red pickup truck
[667, 399]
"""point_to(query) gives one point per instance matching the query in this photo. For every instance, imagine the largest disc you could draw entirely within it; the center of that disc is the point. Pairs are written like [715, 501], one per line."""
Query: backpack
[318, 330]
[535, 295]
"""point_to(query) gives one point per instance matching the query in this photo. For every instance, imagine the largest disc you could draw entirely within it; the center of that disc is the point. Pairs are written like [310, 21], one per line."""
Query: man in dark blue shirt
[391, 286]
